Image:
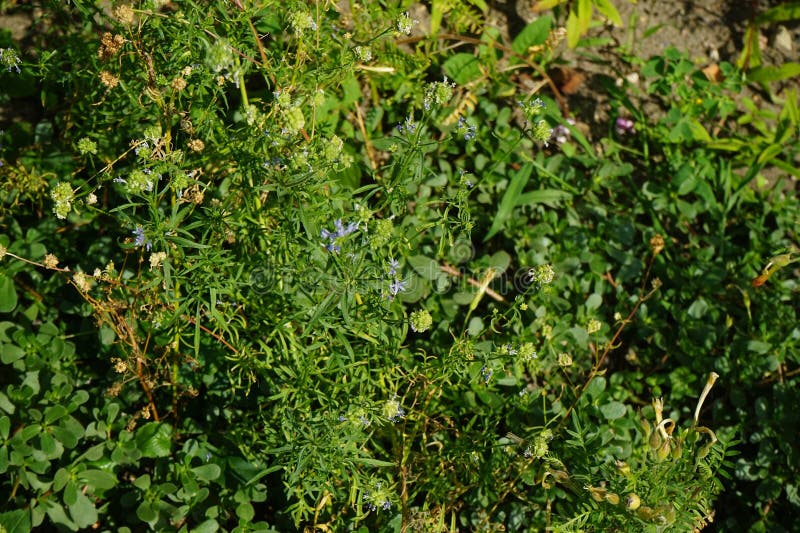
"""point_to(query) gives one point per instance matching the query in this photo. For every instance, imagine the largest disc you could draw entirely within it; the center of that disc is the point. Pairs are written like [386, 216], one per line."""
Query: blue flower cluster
[333, 236]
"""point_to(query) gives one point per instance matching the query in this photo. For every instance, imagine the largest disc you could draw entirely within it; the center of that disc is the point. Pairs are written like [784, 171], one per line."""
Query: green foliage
[266, 267]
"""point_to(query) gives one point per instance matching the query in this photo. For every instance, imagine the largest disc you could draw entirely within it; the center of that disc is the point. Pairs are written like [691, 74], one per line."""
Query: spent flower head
[542, 132]
[302, 21]
[527, 351]
[393, 411]
[10, 60]
[363, 53]
[420, 321]
[63, 196]
[156, 259]
[50, 261]
[532, 108]
[438, 93]
[87, 146]
[405, 23]
[542, 274]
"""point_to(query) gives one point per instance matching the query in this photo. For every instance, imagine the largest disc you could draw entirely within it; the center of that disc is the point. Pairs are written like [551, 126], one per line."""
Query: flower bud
[703, 451]
[677, 449]
[612, 498]
[665, 514]
[663, 452]
[645, 512]
[632, 501]
[646, 428]
[655, 440]
[598, 493]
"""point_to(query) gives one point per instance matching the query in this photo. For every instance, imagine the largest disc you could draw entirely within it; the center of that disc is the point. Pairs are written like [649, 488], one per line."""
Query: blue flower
[140, 238]
[341, 231]
[394, 264]
[396, 287]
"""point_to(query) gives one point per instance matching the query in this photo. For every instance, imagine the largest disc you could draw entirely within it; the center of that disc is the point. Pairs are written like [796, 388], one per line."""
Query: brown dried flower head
[657, 243]
[108, 79]
[109, 46]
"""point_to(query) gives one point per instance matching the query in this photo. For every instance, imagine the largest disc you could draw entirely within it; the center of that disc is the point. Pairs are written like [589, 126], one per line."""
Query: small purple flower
[140, 238]
[467, 129]
[409, 126]
[396, 287]
[341, 231]
[623, 126]
[561, 132]
[486, 373]
[386, 505]
[394, 264]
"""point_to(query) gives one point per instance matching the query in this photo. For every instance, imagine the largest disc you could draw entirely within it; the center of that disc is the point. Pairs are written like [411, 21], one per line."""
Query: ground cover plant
[358, 267]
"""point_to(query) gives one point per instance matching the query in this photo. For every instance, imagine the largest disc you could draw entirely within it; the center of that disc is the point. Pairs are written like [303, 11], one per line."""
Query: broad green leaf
[107, 336]
[594, 301]
[10, 353]
[765, 74]
[573, 30]
[209, 526]
[154, 439]
[5, 427]
[698, 309]
[438, 9]
[60, 479]
[83, 511]
[69, 431]
[146, 513]
[584, 15]
[609, 11]
[98, 479]
[53, 413]
[475, 326]
[548, 197]
[786, 11]
[500, 261]
[699, 132]
[596, 387]
[510, 199]
[70, 493]
[534, 34]
[8, 294]
[759, 347]
[462, 68]
[18, 521]
[245, 512]
[208, 472]
[541, 5]
[425, 267]
[142, 482]
[613, 410]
